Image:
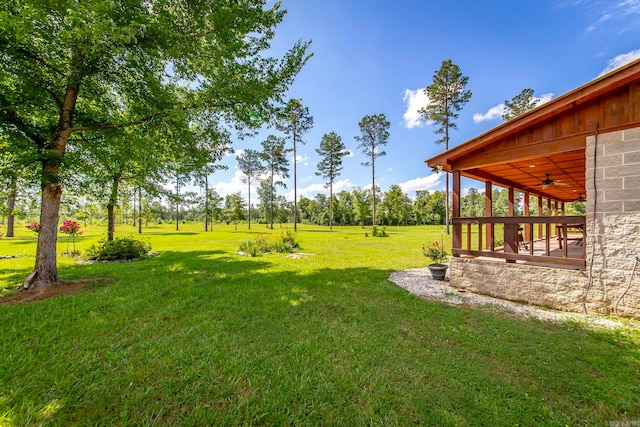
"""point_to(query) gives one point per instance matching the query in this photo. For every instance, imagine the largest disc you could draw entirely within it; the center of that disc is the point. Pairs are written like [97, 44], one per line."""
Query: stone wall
[613, 241]
[556, 288]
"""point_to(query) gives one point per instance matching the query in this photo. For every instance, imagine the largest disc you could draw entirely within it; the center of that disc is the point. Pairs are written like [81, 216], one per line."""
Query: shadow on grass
[206, 337]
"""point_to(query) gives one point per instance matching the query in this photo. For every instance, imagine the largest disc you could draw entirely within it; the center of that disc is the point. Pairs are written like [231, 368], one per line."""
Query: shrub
[435, 251]
[379, 232]
[260, 245]
[34, 226]
[117, 249]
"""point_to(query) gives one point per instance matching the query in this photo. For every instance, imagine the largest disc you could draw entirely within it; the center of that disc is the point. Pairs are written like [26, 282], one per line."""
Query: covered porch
[582, 146]
[540, 157]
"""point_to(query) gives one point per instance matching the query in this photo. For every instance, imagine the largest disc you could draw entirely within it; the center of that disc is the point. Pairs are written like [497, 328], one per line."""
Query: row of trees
[353, 207]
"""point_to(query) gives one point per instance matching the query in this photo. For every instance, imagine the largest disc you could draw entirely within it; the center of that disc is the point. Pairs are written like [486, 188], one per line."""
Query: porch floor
[574, 250]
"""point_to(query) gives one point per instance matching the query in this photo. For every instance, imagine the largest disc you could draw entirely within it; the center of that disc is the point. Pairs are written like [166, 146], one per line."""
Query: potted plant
[438, 254]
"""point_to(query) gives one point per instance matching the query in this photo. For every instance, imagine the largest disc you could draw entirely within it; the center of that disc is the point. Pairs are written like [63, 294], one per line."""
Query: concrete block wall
[613, 219]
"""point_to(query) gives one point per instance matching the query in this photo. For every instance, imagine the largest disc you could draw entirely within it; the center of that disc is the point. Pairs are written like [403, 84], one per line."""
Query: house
[584, 145]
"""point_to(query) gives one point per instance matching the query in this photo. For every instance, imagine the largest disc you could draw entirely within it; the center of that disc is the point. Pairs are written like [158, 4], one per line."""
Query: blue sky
[376, 56]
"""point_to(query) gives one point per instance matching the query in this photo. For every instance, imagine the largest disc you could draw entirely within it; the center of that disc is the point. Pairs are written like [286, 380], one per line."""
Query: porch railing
[520, 234]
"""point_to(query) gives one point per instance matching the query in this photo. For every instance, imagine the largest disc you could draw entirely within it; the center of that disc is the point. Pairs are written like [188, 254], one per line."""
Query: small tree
[374, 135]
[520, 104]
[295, 121]
[332, 150]
[275, 157]
[234, 209]
[250, 163]
[447, 96]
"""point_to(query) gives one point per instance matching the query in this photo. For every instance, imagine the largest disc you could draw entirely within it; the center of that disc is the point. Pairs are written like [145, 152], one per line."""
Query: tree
[447, 96]
[295, 122]
[396, 205]
[361, 205]
[473, 204]
[519, 104]
[84, 67]
[250, 163]
[274, 156]
[374, 135]
[234, 209]
[331, 150]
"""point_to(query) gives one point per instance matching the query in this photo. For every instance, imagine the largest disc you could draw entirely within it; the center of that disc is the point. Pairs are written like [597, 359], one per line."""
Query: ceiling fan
[581, 198]
[547, 182]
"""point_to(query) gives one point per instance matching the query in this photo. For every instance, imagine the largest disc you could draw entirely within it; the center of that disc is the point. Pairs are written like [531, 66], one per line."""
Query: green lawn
[201, 336]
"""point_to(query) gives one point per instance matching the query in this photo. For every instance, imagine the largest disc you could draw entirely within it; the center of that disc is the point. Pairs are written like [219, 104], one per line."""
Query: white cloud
[605, 17]
[302, 159]
[620, 60]
[415, 99]
[544, 98]
[430, 182]
[236, 185]
[496, 112]
[493, 114]
[233, 186]
[311, 190]
[389, 169]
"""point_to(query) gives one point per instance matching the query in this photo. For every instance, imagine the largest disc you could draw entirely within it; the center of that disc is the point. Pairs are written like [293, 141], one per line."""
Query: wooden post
[527, 212]
[511, 230]
[457, 228]
[488, 212]
[562, 208]
[511, 212]
[540, 212]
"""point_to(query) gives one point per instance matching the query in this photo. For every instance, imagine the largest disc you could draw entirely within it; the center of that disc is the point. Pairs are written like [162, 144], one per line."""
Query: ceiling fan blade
[561, 184]
[545, 186]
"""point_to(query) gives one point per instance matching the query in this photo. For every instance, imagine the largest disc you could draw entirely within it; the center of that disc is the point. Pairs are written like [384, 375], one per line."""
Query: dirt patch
[63, 287]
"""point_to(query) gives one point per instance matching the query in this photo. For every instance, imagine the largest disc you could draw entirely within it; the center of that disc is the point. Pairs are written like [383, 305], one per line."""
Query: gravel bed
[418, 281]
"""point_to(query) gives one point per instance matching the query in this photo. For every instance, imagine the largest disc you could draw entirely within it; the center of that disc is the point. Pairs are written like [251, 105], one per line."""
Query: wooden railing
[519, 238]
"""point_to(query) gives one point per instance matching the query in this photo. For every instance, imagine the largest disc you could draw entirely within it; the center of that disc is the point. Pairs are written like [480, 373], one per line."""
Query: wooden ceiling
[565, 170]
[550, 139]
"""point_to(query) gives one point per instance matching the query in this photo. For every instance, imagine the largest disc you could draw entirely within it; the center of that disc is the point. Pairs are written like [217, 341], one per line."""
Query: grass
[201, 336]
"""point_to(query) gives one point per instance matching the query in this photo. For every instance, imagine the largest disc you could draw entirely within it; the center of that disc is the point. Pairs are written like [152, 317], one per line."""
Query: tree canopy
[520, 104]
[69, 69]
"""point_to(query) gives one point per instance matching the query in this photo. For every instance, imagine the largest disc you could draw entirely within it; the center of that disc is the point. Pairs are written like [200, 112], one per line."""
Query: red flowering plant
[71, 228]
[34, 226]
[435, 251]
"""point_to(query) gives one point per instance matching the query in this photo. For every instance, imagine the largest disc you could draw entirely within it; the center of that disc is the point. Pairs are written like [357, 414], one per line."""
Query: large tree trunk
[46, 270]
[11, 203]
[111, 205]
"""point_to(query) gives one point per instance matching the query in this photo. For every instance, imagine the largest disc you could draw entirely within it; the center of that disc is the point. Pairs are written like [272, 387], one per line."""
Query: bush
[260, 245]
[378, 232]
[117, 249]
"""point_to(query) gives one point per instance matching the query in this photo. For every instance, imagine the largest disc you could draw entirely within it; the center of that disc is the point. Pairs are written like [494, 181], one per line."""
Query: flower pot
[438, 271]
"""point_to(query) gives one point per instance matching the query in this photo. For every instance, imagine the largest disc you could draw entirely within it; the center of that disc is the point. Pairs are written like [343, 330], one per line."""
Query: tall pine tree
[447, 96]
[331, 150]
[374, 135]
[295, 121]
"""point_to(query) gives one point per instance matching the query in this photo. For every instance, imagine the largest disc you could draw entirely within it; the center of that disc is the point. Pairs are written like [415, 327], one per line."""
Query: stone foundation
[556, 288]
